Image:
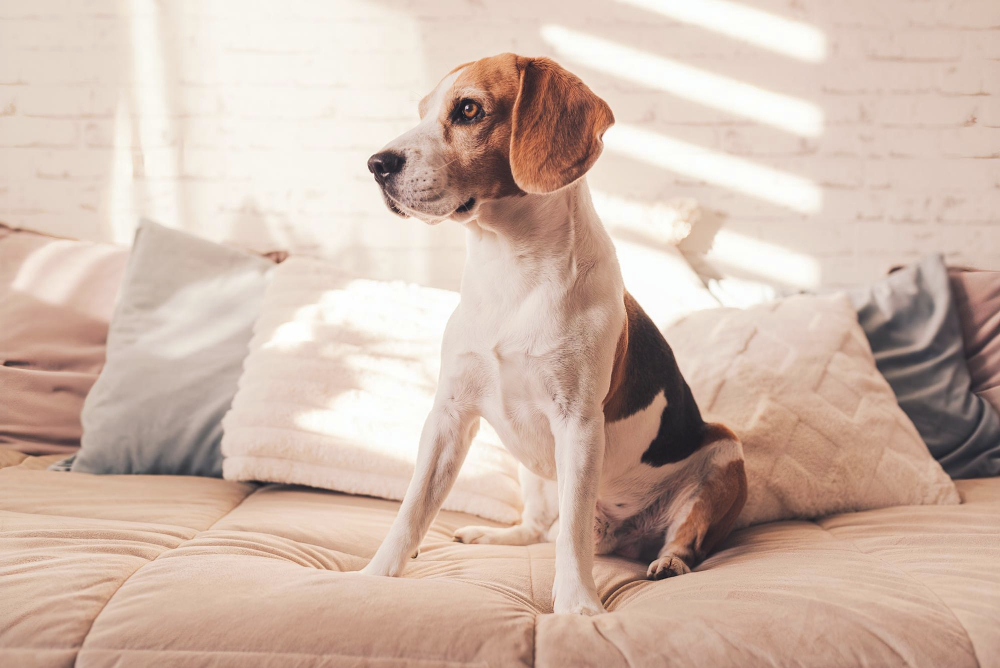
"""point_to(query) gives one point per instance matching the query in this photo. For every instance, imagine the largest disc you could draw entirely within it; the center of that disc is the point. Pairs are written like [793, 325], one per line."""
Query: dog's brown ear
[556, 127]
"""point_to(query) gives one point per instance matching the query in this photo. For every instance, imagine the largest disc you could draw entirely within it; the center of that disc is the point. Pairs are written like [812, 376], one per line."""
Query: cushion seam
[104, 607]
[925, 586]
[534, 639]
[534, 617]
[392, 659]
[597, 629]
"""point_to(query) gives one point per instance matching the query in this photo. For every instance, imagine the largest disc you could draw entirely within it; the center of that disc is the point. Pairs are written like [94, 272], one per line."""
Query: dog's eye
[468, 110]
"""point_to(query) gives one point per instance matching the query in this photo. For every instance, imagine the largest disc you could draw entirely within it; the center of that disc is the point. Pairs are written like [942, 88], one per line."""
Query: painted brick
[21, 131]
[252, 121]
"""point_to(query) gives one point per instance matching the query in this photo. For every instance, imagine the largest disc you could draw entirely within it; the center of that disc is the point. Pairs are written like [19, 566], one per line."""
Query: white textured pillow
[822, 432]
[340, 377]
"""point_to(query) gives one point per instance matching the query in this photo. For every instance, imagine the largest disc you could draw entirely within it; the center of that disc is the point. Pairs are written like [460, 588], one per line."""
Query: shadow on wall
[201, 141]
[251, 127]
[679, 127]
[836, 139]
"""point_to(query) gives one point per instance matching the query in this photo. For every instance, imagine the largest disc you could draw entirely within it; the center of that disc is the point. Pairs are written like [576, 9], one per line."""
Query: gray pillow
[175, 351]
[912, 323]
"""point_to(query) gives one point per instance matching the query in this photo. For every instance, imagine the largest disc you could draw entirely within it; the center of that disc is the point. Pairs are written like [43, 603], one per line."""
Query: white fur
[530, 348]
[425, 191]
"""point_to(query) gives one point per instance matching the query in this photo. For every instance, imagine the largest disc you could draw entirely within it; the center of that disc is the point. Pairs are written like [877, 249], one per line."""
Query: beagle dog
[546, 344]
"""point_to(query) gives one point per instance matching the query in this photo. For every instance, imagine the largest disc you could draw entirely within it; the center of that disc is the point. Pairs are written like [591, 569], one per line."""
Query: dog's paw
[575, 599]
[587, 608]
[667, 566]
[471, 535]
[515, 535]
[381, 569]
[585, 604]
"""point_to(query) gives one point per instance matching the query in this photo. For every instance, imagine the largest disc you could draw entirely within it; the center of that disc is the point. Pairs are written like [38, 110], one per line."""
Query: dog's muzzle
[383, 165]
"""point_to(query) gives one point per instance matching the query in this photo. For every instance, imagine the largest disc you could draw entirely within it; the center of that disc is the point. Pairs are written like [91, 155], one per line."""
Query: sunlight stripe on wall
[712, 90]
[747, 24]
[766, 260]
[765, 183]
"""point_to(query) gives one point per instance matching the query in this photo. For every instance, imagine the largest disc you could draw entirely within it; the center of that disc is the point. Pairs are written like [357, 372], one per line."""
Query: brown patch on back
[643, 367]
[623, 400]
[614, 401]
[716, 431]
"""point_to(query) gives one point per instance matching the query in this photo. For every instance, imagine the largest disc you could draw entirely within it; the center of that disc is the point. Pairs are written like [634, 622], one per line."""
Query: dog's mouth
[398, 208]
[392, 206]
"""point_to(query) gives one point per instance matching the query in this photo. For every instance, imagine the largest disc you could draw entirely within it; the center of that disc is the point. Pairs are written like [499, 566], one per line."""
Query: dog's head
[499, 127]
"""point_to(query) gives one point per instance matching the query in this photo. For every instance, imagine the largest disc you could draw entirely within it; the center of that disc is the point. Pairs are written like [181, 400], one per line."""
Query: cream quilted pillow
[822, 432]
[340, 376]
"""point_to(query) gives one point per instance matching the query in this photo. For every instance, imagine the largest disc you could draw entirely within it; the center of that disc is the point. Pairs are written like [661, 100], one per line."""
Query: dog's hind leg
[541, 508]
[707, 516]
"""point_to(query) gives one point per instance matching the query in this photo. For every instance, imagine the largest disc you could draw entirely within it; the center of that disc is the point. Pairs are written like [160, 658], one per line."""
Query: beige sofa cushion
[977, 298]
[821, 430]
[134, 571]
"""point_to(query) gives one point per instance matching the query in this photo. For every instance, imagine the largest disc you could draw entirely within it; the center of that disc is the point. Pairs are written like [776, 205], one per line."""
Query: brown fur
[541, 131]
[614, 408]
[644, 366]
[716, 492]
[720, 500]
[557, 127]
[478, 155]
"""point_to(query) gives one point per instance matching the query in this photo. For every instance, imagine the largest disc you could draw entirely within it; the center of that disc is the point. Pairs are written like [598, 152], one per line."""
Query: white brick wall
[252, 121]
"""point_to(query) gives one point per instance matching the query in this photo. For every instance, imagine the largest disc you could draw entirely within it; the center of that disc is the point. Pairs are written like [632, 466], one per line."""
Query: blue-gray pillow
[911, 321]
[176, 346]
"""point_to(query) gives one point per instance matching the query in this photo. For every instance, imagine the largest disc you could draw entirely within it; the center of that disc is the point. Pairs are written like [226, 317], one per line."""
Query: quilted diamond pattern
[822, 432]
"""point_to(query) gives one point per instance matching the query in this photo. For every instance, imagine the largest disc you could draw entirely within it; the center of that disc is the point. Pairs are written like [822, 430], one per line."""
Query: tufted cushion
[137, 571]
[822, 432]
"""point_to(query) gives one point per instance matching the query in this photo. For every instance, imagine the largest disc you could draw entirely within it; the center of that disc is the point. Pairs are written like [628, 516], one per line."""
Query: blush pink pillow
[977, 295]
[56, 299]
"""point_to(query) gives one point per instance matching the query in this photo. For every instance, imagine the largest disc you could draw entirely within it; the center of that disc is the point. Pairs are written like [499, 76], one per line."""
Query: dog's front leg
[444, 442]
[579, 455]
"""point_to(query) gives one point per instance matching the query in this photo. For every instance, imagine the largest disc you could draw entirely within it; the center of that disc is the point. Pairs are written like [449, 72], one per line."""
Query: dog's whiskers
[440, 167]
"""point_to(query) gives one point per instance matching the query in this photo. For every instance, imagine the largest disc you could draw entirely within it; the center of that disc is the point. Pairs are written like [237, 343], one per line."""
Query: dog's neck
[527, 240]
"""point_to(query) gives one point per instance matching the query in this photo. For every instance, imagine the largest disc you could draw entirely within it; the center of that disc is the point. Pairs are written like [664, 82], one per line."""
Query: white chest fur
[510, 347]
[540, 315]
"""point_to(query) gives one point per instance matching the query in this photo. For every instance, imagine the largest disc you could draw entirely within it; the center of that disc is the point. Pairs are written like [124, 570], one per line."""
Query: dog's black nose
[385, 163]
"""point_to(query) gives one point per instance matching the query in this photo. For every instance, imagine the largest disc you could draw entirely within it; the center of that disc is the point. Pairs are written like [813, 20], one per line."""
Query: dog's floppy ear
[556, 127]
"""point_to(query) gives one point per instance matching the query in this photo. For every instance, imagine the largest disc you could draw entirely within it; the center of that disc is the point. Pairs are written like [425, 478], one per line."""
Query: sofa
[194, 570]
[189, 571]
